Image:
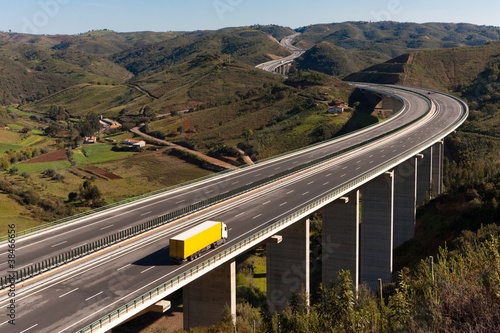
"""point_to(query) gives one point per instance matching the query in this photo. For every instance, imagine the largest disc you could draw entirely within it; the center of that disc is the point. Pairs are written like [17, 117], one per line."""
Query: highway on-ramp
[70, 302]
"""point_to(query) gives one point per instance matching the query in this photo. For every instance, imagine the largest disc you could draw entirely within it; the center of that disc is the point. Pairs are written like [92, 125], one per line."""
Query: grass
[6, 147]
[13, 213]
[84, 98]
[141, 173]
[146, 172]
[15, 127]
[30, 140]
[97, 153]
[260, 272]
[12, 140]
[40, 167]
[8, 136]
[19, 112]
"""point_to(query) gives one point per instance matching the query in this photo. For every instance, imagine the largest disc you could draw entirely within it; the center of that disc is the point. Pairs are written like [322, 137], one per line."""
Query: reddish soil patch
[56, 156]
[91, 175]
[109, 175]
[64, 133]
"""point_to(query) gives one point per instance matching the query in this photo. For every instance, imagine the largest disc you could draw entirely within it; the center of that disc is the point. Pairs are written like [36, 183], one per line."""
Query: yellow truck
[191, 243]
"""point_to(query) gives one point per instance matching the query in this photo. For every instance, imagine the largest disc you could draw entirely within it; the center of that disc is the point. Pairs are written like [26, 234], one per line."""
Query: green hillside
[233, 103]
[362, 44]
[244, 44]
[31, 72]
[334, 60]
[80, 99]
[102, 42]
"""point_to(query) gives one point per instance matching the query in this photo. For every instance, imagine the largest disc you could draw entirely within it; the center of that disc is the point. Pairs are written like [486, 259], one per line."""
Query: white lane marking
[284, 203]
[26, 330]
[178, 202]
[119, 269]
[257, 216]
[290, 192]
[372, 162]
[147, 213]
[144, 271]
[328, 175]
[310, 183]
[305, 193]
[208, 192]
[235, 183]
[109, 226]
[383, 156]
[69, 292]
[358, 162]
[59, 244]
[342, 176]
[344, 168]
[240, 214]
[80, 245]
[370, 156]
[358, 168]
[265, 203]
[258, 175]
[326, 183]
[94, 296]
[277, 168]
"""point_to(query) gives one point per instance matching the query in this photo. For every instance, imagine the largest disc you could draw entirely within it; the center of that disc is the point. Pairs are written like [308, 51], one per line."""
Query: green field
[40, 167]
[15, 127]
[97, 153]
[19, 112]
[12, 140]
[6, 147]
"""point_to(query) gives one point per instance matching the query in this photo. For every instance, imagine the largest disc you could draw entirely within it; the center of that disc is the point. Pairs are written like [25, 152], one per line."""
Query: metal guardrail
[262, 233]
[77, 253]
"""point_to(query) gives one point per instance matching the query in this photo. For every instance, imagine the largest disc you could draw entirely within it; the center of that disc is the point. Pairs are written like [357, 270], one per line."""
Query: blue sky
[76, 16]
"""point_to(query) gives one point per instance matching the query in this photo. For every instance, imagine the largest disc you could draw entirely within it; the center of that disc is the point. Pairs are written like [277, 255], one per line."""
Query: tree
[4, 163]
[73, 196]
[51, 130]
[90, 125]
[90, 192]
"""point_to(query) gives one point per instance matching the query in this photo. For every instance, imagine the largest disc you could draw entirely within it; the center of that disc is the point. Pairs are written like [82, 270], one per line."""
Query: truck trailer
[192, 243]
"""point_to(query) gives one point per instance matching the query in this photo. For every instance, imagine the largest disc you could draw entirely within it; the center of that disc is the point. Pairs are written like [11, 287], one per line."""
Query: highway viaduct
[367, 196]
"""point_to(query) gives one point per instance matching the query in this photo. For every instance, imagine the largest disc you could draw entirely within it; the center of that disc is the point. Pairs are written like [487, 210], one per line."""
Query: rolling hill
[245, 44]
[363, 44]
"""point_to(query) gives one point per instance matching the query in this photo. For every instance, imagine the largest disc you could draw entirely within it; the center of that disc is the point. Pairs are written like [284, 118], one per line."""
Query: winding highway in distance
[73, 299]
[286, 42]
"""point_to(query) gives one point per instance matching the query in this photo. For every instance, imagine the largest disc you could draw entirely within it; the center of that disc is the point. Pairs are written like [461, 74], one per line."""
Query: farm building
[135, 143]
[90, 139]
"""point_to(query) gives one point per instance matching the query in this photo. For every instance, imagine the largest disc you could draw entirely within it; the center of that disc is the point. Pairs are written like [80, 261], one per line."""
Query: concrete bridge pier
[424, 169]
[288, 266]
[405, 201]
[340, 239]
[205, 298]
[437, 167]
[376, 250]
